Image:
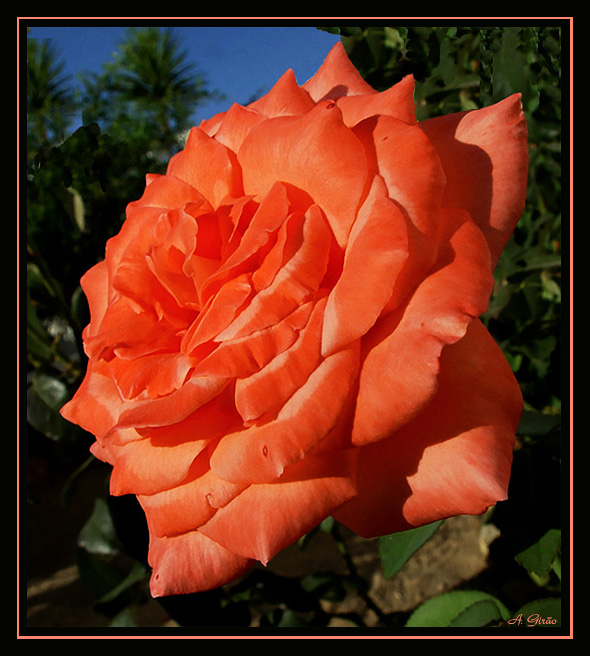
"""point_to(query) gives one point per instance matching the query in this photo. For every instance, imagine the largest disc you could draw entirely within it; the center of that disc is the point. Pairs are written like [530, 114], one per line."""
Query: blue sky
[239, 60]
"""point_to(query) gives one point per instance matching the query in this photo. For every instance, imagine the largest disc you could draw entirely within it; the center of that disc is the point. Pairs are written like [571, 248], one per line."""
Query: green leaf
[51, 390]
[459, 608]
[396, 549]
[98, 535]
[75, 208]
[38, 340]
[541, 612]
[535, 424]
[481, 613]
[289, 618]
[79, 307]
[137, 574]
[540, 556]
[510, 71]
[328, 586]
[126, 618]
[38, 344]
[45, 396]
[71, 485]
[97, 574]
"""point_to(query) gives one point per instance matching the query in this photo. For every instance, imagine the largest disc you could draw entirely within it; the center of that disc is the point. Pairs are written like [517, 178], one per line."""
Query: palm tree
[149, 90]
[50, 101]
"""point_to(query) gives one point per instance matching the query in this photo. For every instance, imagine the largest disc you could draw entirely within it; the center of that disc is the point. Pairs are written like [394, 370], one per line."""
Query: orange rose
[286, 327]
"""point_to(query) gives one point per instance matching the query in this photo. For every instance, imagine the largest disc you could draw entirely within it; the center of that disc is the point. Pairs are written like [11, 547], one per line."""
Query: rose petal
[142, 467]
[337, 77]
[189, 505]
[484, 154]
[306, 252]
[208, 422]
[129, 333]
[156, 374]
[235, 126]
[241, 357]
[256, 241]
[376, 252]
[168, 257]
[399, 373]
[96, 405]
[161, 192]
[94, 284]
[208, 166]
[234, 216]
[397, 101]
[286, 98]
[175, 406]
[134, 276]
[218, 313]
[144, 293]
[409, 164]
[260, 453]
[163, 458]
[269, 388]
[190, 563]
[261, 520]
[316, 153]
[454, 458]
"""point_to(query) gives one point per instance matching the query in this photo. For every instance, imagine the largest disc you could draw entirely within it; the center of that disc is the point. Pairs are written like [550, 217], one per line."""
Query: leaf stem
[355, 576]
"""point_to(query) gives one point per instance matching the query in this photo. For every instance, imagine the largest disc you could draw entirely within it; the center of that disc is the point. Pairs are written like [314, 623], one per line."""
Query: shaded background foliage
[78, 184]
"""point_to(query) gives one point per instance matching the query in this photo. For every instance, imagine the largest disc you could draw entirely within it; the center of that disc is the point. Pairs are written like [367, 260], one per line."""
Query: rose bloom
[286, 326]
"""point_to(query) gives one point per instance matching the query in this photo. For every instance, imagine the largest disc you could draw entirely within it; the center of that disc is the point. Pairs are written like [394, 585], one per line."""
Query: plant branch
[355, 576]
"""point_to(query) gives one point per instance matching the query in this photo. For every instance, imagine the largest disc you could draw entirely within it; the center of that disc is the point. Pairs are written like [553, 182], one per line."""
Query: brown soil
[56, 598]
[456, 553]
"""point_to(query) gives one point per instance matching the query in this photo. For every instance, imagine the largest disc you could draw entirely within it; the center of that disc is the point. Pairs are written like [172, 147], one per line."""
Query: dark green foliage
[50, 100]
